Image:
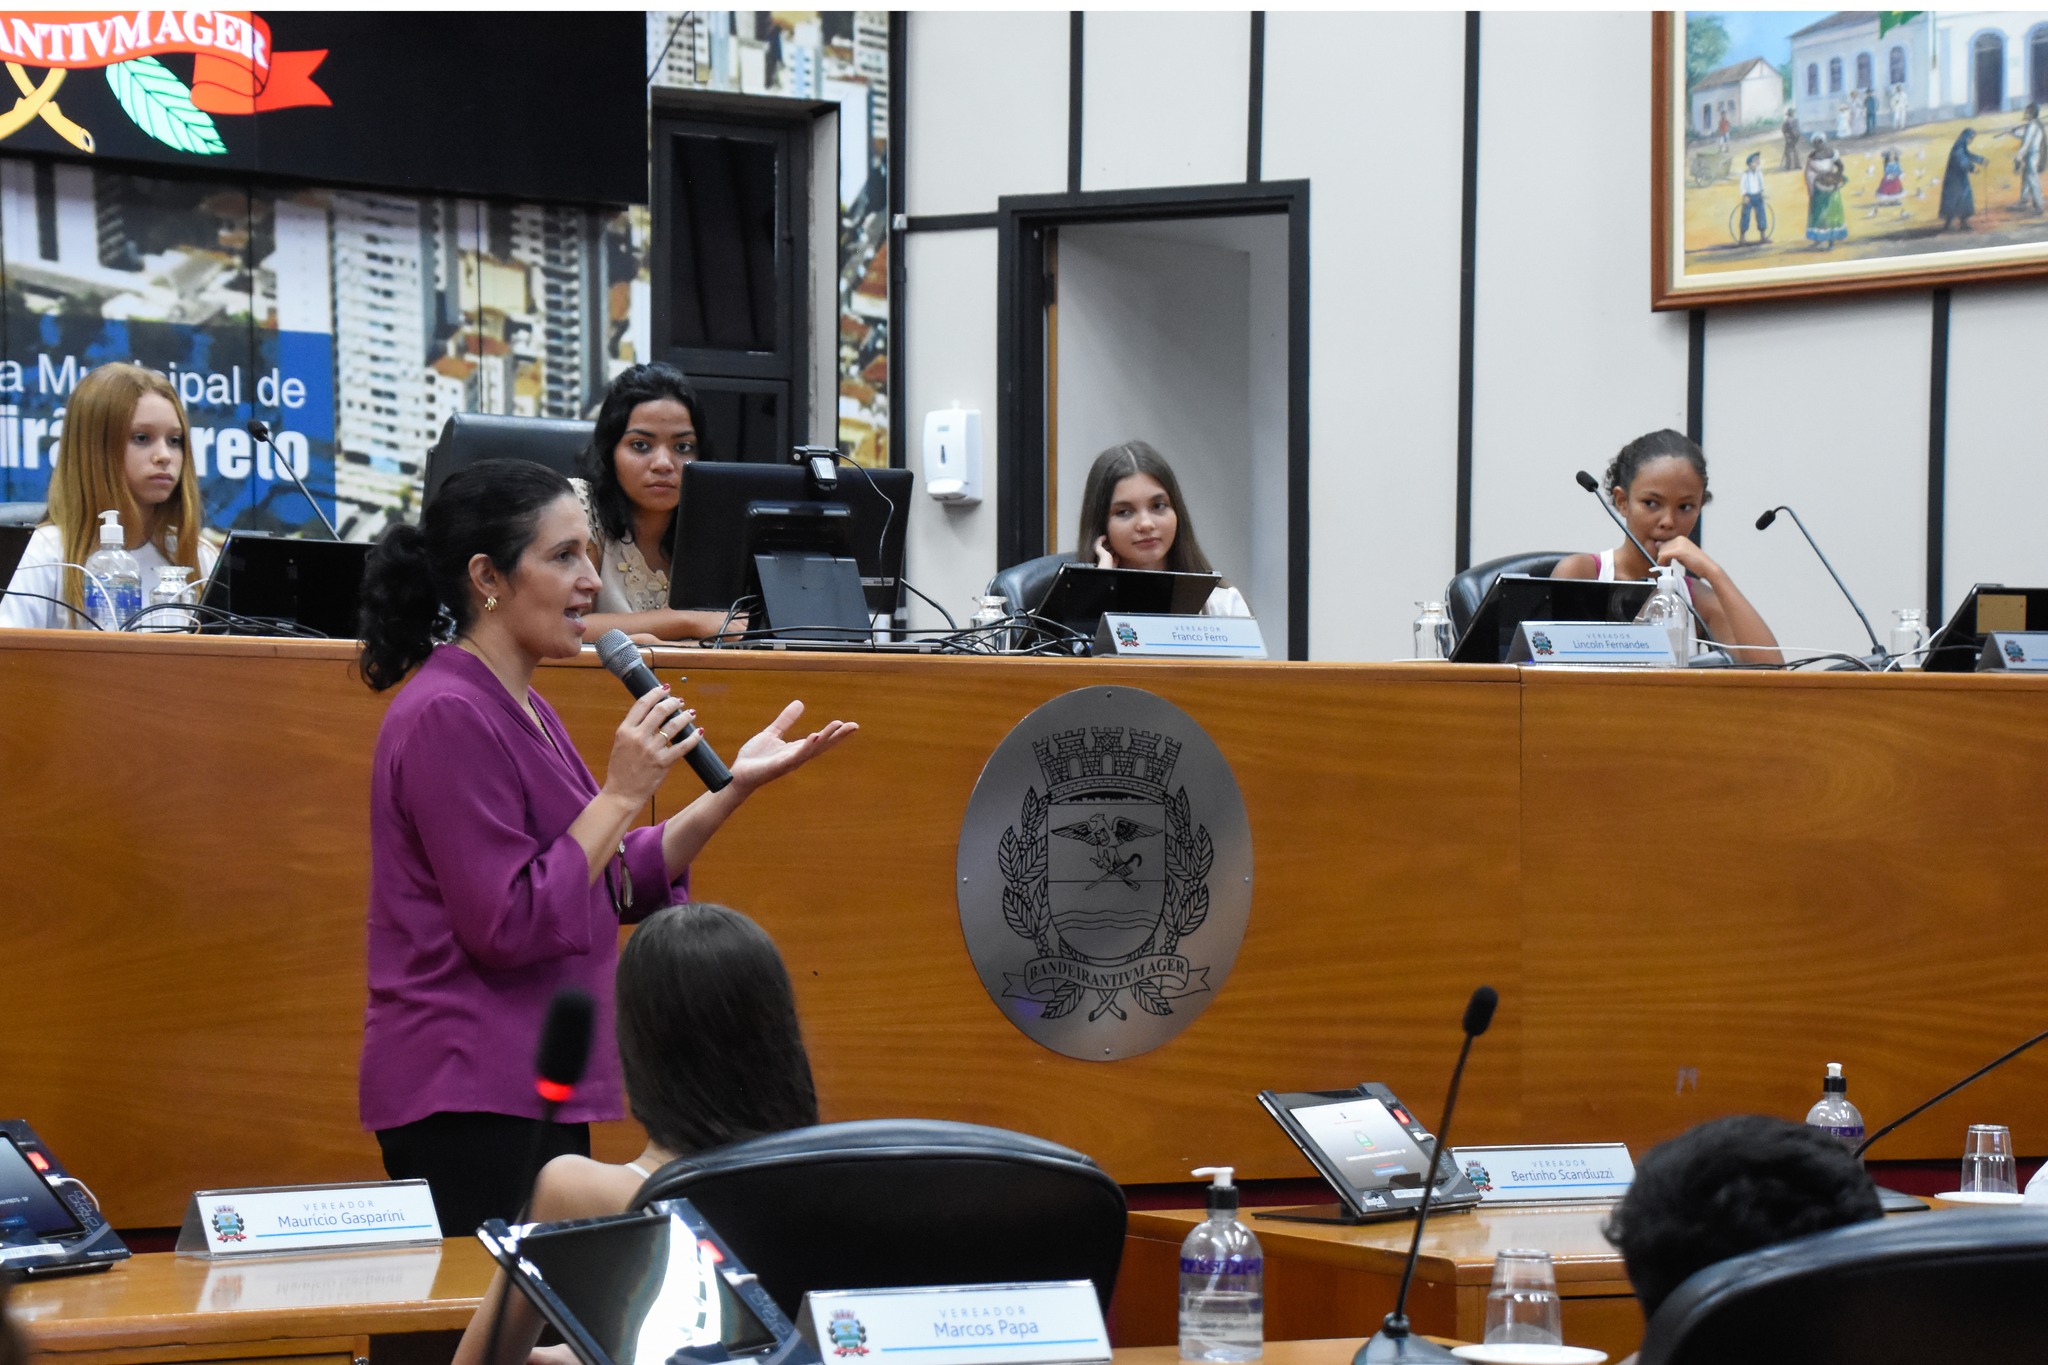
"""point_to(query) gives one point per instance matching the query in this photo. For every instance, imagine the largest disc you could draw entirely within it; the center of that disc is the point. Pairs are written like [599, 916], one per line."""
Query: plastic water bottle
[1667, 608]
[112, 566]
[1222, 1274]
[173, 590]
[1833, 1114]
[1909, 637]
[1433, 635]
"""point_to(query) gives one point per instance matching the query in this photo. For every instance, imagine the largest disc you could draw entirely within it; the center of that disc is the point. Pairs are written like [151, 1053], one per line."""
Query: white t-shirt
[1226, 601]
[41, 570]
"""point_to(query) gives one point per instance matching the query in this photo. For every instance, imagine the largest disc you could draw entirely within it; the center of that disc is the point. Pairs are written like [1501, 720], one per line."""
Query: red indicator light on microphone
[717, 1256]
[1405, 1120]
[554, 1092]
[39, 1161]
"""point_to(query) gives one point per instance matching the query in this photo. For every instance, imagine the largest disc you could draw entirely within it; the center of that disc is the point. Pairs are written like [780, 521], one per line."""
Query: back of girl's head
[1657, 445]
[91, 474]
[1111, 468]
[416, 579]
[640, 384]
[708, 1034]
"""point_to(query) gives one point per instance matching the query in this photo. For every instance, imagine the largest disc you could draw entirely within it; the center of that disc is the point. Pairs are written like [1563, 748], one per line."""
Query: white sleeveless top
[1606, 573]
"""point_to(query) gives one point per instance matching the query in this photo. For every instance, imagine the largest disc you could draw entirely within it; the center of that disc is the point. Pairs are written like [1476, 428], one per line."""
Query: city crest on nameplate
[1121, 877]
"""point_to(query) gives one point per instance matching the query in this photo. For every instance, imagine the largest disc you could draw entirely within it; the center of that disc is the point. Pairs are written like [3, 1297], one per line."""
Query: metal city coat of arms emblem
[1105, 873]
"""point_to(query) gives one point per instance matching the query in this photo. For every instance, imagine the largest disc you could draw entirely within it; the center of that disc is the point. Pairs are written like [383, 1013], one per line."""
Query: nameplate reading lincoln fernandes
[1104, 873]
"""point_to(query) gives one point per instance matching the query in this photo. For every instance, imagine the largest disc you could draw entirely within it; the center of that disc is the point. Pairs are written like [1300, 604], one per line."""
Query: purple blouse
[481, 906]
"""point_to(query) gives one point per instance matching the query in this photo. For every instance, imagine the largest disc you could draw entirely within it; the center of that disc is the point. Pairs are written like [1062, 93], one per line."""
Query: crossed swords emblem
[1108, 837]
[39, 101]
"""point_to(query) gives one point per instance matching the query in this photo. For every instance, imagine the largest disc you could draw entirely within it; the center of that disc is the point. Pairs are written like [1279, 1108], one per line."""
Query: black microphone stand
[1879, 655]
[1394, 1341]
[261, 431]
[1893, 1200]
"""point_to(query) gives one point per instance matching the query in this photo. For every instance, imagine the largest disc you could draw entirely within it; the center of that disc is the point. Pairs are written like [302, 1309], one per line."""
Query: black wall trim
[1028, 223]
[1468, 255]
[1937, 456]
[1255, 113]
[1696, 395]
[951, 222]
[1076, 26]
[899, 142]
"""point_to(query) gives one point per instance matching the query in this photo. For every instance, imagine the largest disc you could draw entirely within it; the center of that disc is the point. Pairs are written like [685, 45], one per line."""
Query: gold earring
[490, 604]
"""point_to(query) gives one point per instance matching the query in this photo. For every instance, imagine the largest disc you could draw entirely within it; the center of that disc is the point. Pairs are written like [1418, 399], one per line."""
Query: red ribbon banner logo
[234, 70]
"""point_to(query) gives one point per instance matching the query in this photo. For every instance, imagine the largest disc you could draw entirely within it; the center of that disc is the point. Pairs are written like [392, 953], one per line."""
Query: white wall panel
[949, 355]
[1165, 98]
[988, 108]
[1569, 362]
[1997, 440]
[1822, 406]
[1383, 376]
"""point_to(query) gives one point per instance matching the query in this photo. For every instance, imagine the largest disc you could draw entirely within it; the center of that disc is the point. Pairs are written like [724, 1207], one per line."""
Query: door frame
[1024, 224]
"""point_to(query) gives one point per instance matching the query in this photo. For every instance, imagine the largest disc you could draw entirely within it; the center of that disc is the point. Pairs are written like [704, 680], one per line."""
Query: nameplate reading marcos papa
[1105, 873]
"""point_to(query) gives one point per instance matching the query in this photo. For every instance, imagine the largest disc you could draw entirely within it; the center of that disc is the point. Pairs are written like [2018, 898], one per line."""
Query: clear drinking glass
[1987, 1160]
[1433, 632]
[1909, 637]
[1522, 1306]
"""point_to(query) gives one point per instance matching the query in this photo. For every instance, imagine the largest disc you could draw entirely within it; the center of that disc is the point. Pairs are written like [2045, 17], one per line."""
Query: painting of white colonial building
[1950, 63]
[1746, 92]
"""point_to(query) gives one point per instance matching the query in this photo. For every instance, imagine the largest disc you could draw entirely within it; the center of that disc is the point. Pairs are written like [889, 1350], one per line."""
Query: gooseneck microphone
[1922, 1108]
[261, 431]
[617, 652]
[1394, 1341]
[1763, 522]
[1592, 485]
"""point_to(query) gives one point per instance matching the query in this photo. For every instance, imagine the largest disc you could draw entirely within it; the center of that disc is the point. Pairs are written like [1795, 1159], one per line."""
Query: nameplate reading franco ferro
[1104, 873]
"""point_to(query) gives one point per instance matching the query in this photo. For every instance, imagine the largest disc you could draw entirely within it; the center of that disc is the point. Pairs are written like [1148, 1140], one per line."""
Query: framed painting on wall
[1802, 153]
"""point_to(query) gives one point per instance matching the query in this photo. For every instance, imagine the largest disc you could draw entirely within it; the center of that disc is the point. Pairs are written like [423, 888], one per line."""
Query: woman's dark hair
[1729, 1186]
[1629, 462]
[708, 1035]
[416, 578]
[1111, 468]
[640, 384]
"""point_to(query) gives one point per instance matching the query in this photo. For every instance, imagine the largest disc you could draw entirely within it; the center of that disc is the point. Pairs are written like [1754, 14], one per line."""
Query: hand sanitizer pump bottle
[1832, 1113]
[113, 580]
[1667, 608]
[1222, 1294]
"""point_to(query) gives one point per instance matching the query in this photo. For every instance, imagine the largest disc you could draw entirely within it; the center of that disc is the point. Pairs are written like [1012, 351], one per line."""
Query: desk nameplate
[2014, 652]
[1558, 1173]
[1550, 643]
[275, 1220]
[1052, 1323]
[1129, 636]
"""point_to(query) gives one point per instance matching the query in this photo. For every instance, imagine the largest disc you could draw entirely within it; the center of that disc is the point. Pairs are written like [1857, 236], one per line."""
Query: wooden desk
[305, 1310]
[1324, 1279]
[186, 896]
[323, 1310]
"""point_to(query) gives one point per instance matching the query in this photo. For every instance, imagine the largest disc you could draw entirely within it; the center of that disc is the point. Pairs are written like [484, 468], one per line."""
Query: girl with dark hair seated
[1133, 517]
[648, 428]
[500, 869]
[713, 1054]
[1659, 486]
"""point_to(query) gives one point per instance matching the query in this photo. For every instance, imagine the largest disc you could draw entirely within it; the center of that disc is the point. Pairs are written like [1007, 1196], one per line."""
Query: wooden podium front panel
[1730, 881]
[187, 858]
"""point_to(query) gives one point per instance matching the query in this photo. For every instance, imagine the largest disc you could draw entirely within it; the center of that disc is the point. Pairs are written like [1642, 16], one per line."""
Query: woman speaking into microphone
[500, 867]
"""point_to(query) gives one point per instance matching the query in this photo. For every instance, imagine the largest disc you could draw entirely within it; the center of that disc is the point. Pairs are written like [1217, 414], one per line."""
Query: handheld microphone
[619, 654]
[1894, 1201]
[1763, 522]
[261, 431]
[1394, 1341]
[1592, 485]
[558, 1066]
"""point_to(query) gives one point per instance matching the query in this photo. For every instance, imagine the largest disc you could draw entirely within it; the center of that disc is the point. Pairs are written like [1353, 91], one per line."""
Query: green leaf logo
[162, 107]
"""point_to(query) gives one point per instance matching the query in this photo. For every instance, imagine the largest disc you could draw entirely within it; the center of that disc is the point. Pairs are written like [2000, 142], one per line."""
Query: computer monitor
[1082, 593]
[471, 436]
[1515, 598]
[1989, 608]
[736, 517]
[13, 545]
[313, 584]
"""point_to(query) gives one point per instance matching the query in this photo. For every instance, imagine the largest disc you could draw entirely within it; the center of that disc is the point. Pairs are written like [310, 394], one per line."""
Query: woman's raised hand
[768, 755]
[641, 752]
[1103, 558]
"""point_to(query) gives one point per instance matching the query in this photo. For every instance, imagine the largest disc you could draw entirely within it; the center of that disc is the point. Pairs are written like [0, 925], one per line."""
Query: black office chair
[1463, 594]
[885, 1203]
[1025, 585]
[1961, 1285]
[467, 437]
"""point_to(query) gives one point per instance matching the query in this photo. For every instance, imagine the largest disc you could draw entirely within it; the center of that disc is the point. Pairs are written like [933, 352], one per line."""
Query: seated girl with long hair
[1133, 517]
[712, 1054]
